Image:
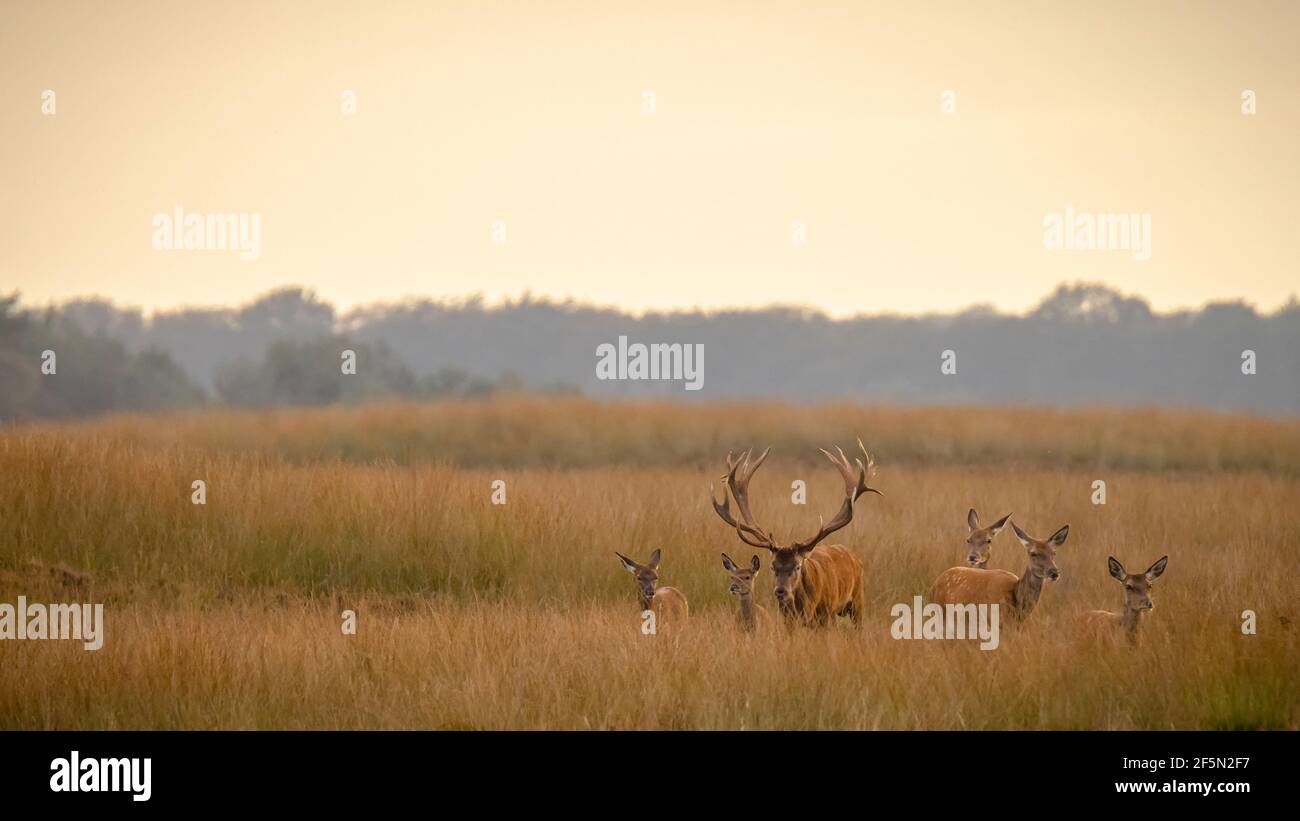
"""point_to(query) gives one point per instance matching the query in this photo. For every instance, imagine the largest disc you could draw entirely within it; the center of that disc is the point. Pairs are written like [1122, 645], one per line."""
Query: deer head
[1042, 554]
[1137, 588]
[787, 560]
[742, 578]
[979, 544]
[647, 575]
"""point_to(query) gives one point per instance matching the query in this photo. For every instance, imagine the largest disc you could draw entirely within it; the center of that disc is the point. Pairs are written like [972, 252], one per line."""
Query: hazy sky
[765, 113]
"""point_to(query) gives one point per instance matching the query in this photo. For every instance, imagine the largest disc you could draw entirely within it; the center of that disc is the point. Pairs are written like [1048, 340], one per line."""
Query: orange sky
[766, 113]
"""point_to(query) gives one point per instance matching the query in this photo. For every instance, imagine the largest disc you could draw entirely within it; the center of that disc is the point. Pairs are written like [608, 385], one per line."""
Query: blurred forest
[1084, 344]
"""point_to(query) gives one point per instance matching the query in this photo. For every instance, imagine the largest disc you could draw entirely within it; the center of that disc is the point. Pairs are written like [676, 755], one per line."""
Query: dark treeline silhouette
[310, 372]
[1082, 345]
[88, 357]
[49, 366]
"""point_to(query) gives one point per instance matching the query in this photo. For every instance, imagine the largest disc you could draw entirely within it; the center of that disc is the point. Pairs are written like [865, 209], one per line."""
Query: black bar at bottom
[558, 771]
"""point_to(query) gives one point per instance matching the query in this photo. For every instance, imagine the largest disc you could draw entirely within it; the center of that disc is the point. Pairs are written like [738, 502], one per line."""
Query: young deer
[979, 544]
[751, 616]
[667, 603]
[813, 583]
[1137, 599]
[1017, 595]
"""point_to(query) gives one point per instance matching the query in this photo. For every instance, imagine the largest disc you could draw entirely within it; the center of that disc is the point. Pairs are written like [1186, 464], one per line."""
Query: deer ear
[1058, 538]
[1116, 569]
[997, 526]
[728, 563]
[653, 564]
[973, 519]
[1020, 534]
[627, 563]
[1154, 571]
[755, 564]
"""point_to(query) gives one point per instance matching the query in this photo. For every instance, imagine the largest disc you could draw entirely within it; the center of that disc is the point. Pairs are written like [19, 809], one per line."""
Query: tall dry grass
[476, 615]
[521, 431]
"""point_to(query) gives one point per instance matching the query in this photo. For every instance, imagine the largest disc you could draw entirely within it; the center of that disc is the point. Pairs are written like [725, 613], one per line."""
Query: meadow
[478, 615]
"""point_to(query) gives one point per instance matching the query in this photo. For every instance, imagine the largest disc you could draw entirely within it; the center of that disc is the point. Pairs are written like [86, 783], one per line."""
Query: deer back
[971, 585]
[670, 605]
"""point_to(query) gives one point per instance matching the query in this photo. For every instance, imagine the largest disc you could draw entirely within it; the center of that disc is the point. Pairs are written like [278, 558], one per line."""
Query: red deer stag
[814, 582]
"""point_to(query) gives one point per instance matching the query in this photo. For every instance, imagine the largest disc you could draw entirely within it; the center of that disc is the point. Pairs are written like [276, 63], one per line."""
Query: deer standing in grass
[667, 603]
[979, 544]
[751, 616]
[1137, 599]
[1015, 595]
[814, 582]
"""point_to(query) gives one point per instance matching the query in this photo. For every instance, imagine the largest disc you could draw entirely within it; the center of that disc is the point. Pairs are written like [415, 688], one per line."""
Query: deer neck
[1130, 621]
[1026, 592]
[748, 615]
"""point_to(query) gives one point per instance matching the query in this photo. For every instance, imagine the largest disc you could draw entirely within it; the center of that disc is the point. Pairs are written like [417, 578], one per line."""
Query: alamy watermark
[946, 621]
[1075, 231]
[179, 231]
[80, 622]
[77, 774]
[656, 360]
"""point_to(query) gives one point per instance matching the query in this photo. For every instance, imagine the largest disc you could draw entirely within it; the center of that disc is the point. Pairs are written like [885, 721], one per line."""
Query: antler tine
[731, 467]
[724, 512]
[854, 486]
[739, 472]
[736, 469]
[746, 469]
[738, 481]
[867, 471]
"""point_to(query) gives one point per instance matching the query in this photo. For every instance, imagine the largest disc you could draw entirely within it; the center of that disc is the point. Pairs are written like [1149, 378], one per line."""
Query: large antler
[854, 486]
[739, 472]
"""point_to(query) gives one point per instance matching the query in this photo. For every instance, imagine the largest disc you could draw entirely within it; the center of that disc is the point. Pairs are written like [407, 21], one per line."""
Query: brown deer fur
[1137, 600]
[667, 603]
[751, 617]
[830, 583]
[1015, 595]
[979, 542]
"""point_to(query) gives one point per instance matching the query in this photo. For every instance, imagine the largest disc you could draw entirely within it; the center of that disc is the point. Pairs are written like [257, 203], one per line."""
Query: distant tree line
[82, 359]
[311, 372]
[49, 366]
[1083, 344]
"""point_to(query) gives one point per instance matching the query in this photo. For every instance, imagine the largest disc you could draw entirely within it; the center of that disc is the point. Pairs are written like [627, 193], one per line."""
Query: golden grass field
[473, 615]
